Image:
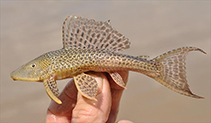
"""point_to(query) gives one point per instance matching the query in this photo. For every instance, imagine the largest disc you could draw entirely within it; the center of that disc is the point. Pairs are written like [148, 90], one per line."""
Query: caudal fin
[173, 70]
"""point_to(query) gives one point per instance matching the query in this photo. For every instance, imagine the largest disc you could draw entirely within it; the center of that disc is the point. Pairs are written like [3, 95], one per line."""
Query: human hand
[76, 108]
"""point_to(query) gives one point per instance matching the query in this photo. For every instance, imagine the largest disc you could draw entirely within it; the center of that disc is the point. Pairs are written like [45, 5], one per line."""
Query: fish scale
[90, 45]
[65, 61]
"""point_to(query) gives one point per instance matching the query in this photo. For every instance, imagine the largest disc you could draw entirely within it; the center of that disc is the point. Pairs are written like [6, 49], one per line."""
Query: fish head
[31, 71]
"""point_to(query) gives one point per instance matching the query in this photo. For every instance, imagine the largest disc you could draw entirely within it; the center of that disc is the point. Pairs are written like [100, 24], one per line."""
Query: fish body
[66, 63]
[90, 45]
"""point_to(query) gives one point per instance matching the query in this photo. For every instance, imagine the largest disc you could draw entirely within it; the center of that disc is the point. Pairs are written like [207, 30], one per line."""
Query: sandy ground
[29, 29]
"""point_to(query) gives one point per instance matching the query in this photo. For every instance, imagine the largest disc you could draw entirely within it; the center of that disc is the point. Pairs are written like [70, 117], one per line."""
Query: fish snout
[24, 75]
[14, 75]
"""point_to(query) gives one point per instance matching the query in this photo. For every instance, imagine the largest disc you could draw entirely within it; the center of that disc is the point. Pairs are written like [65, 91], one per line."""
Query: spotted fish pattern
[90, 45]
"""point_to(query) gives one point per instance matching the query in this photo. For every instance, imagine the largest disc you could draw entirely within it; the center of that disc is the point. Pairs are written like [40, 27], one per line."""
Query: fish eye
[33, 65]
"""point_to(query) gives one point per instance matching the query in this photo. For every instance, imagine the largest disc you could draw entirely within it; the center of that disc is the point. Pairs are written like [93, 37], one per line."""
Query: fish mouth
[16, 77]
[25, 79]
[12, 75]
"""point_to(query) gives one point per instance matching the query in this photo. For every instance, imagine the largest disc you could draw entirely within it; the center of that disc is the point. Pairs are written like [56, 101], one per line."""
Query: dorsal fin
[108, 21]
[79, 32]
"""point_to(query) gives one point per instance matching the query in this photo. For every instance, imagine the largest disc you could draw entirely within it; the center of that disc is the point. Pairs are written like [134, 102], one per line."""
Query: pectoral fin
[52, 90]
[86, 85]
[117, 79]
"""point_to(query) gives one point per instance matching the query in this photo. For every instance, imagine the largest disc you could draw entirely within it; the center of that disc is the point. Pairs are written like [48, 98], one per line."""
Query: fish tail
[172, 70]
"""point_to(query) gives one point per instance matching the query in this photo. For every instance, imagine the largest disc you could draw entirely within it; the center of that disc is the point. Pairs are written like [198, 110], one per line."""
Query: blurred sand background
[29, 29]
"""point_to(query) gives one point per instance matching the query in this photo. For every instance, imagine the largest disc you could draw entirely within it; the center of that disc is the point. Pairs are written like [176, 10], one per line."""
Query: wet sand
[29, 29]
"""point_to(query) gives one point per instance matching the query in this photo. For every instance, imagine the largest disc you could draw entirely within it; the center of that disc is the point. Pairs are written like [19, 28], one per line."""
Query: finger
[63, 112]
[116, 93]
[94, 111]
